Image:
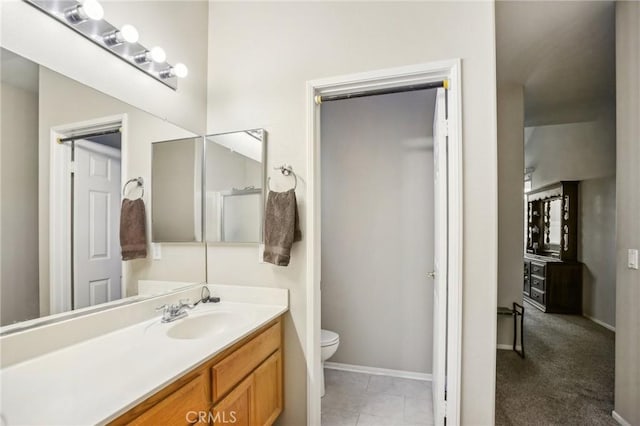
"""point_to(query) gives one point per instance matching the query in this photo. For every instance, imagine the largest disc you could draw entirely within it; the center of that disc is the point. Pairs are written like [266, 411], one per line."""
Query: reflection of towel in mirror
[281, 227]
[133, 231]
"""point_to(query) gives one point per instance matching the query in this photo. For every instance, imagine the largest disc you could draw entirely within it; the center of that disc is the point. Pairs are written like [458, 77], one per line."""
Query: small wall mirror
[234, 186]
[176, 202]
[552, 224]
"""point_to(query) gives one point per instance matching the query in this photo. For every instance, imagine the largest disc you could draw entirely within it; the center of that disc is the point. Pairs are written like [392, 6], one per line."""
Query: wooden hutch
[552, 273]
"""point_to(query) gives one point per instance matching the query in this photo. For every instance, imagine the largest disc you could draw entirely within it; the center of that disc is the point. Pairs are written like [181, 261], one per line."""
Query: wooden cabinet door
[268, 390]
[187, 405]
[237, 408]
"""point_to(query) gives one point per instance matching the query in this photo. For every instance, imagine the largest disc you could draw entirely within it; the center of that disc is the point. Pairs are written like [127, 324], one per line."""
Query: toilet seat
[328, 338]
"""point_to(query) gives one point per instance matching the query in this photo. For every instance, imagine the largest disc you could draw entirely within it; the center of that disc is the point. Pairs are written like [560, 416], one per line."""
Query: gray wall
[510, 205]
[586, 152]
[627, 388]
[19, 208]
[597, 247]
[377, 229]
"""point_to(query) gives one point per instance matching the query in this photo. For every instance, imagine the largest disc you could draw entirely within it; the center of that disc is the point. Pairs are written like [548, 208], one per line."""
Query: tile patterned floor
[358, 399]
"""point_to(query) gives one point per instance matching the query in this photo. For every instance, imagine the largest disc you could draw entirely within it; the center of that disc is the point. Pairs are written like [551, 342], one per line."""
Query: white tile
[398, 386]
[391, 406]
[418, 410]
[346, 401]
[332, 417]
[369, 420]
[345, 381]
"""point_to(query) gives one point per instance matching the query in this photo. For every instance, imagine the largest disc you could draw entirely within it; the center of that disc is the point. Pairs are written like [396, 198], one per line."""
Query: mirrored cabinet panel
[234, 186]
[176, 174]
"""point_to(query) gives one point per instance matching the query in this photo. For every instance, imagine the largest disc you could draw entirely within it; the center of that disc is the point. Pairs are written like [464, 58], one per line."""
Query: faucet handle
[162, 308]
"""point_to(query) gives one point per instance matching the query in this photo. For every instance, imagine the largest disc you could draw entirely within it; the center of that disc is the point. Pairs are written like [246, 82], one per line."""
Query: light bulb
[129, 33]
[93, 9]
[180, 70]
[158, 54]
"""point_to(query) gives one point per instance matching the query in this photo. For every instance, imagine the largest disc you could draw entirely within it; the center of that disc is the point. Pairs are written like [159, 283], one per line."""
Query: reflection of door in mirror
[97, 269]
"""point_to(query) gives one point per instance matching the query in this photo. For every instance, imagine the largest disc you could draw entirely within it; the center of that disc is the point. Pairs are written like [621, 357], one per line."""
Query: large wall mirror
[234, 186]
[67, 150]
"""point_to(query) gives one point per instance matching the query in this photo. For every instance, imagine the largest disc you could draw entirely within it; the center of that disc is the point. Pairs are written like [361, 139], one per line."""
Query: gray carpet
[566, 377]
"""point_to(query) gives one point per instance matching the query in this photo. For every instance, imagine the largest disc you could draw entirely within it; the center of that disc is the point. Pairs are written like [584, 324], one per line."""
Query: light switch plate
[633, 259]
[157, 251]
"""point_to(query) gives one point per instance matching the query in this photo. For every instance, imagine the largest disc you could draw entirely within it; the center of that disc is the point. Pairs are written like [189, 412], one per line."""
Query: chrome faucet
[175, 311]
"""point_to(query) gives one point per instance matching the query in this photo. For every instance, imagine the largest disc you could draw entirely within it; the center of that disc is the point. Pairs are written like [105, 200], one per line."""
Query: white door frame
[394, 77]
[60, 272]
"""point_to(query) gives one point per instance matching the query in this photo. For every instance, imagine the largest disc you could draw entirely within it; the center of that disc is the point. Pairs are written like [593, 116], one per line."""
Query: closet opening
[383, 222]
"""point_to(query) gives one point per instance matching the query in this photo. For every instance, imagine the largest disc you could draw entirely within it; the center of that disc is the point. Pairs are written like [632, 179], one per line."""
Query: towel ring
[286, 171]
[139, 181]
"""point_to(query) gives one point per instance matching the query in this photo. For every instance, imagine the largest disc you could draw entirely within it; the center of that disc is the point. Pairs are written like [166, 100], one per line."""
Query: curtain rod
[88, 135]
[410, 88]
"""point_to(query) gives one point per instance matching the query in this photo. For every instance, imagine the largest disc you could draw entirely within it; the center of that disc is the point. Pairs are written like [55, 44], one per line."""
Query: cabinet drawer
[537, 269]
[538, 283]
[231, 370]
[537, 295]
[182, 407]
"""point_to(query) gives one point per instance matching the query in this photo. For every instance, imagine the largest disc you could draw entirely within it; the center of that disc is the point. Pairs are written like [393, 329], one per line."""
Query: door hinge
[72, 167]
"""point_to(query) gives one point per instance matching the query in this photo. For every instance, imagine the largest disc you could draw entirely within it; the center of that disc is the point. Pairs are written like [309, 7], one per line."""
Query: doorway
[447, 220]
[86, 183]
[378, 207]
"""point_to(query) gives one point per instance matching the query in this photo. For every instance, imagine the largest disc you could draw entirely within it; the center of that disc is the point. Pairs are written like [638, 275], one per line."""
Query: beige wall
[181, 262]
[177, 26]
[510, 202]
[627, 388]
[19, 208]
[261, 55]
[378, 229]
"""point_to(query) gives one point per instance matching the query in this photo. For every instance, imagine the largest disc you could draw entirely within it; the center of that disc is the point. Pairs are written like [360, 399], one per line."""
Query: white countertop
[95, 381]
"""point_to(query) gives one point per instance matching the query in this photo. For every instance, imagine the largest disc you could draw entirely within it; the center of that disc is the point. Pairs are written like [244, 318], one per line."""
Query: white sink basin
[206, 324]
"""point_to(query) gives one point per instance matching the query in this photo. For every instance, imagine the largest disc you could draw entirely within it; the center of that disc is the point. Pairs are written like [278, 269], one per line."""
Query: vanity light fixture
[86, 18]
[179, 70]
[127, 33]
[87, 9]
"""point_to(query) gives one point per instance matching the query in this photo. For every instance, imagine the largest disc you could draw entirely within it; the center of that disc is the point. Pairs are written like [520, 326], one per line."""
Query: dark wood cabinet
[552, 278]
[552, 285]
[552, 221]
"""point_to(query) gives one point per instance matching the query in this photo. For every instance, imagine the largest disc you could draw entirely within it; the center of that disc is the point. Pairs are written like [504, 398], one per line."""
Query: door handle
[431, 274]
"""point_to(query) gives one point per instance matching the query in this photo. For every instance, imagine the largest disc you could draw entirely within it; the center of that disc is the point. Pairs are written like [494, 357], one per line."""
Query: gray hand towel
[133, 230]
[281, 227]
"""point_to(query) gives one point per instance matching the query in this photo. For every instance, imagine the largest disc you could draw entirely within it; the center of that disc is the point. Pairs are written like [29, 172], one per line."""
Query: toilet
[329, 342]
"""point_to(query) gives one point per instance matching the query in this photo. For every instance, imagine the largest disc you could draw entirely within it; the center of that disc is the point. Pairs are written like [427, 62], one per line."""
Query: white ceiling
[562, 52]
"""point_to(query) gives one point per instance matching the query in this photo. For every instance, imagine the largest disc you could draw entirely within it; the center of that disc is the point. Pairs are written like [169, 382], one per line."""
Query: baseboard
[506, 347]
[602, 323]
[378, 371]
[618, 418]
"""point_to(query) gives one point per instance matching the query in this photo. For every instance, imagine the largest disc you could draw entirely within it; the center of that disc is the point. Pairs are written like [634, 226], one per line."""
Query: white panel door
[96, 223]
[440, 261]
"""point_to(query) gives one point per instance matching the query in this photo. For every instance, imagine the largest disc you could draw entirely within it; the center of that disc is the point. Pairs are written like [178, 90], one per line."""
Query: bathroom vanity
[241, 385]
[222, 363]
